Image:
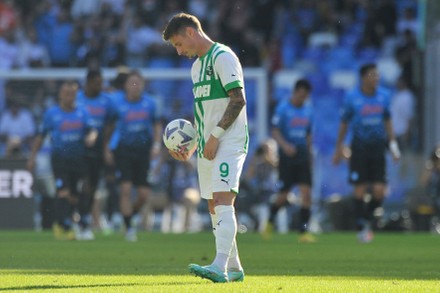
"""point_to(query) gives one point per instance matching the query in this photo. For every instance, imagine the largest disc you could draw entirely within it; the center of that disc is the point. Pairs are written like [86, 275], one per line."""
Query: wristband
[218, 132]
[394, 148]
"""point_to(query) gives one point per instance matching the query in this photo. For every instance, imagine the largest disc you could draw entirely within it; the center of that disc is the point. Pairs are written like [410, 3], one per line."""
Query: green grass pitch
[34, 262]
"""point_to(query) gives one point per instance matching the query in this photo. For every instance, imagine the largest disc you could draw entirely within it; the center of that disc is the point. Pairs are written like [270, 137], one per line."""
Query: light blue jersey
[67, 130]
[367, 114]
[295, 124]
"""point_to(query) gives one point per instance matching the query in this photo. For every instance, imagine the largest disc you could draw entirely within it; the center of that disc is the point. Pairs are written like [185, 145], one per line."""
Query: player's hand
[395, 151]
[30, 164]
[180, 156]
[289, 150]
[109, 157]
[91, 138]
[211, 148]
[183, 156]
[339, 154]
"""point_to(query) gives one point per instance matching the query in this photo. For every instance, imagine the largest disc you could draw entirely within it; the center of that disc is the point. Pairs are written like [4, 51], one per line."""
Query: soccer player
[367, 109]
[101, 111]
[221, 122]
[71, 131]
[139, 136]
[292, 129]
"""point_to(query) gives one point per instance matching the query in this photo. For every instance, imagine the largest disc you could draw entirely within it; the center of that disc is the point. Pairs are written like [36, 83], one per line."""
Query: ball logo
[170, 131]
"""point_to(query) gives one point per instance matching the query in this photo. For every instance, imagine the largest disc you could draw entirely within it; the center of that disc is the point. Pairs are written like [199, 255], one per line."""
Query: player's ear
[190, 31]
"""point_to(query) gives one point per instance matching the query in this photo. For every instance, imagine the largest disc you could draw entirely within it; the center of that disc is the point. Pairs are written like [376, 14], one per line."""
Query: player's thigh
[377, 168]
[302, 173]
[285, 174]
[204, 170]
[358, 165]
[226, 171]
[94, 166]
[141, 167]
[61, 174]
[124, 167]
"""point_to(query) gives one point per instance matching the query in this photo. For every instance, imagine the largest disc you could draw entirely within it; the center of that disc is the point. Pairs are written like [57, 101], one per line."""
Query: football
[179, 135]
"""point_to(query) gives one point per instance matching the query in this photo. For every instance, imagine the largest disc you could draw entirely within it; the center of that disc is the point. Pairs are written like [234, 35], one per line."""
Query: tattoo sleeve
[236, 104]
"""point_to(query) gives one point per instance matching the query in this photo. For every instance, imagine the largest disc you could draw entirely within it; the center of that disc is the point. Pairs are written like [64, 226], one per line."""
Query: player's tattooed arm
[236, 104]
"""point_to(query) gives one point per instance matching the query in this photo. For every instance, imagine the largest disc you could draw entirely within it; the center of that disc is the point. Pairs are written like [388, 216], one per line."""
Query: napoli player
[367, 109]
[292, 130]
[139, 135]
[71, 131]
[101, 112]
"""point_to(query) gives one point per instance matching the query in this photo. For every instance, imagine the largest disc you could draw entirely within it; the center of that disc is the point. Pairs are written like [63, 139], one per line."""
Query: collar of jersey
[209, 51]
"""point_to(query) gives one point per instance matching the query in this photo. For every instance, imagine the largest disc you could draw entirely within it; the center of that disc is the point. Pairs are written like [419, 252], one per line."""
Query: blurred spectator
[84, 8]
[178, 181]
[113, 43]
[8, 59]
[8, 16]
[8, 50]
[89, 42]
[387, 17]
[113, 6]
[405, 53]
[17, 127]
[373, 31]
[61, 47]
[402, 113]
[306, 17]
[31, 52]
[263, 18]
[262, 171]
[261, 178]
[408, 21]
[139, 39]
[249, 51]
[426, 207]
[233, 19]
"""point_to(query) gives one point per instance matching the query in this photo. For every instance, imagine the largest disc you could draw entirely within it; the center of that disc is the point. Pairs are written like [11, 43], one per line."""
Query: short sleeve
[347, 110]
[229, 70]
[46, 125]
[277, 116]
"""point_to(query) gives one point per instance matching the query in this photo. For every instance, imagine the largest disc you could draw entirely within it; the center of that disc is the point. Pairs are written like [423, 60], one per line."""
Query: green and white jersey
[213, 75]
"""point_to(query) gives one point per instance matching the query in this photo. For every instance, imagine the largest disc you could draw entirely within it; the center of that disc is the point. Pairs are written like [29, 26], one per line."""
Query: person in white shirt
[17, 127]
[402, 110]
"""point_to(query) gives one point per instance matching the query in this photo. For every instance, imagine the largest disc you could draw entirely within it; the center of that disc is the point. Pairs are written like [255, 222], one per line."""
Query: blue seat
[315, 54]
[164, 88]
[367, 55]
[319, 83]
[279, 93]
[349, 40]
[251, 97]
[160, 62]
[185, 63]
[288, 54]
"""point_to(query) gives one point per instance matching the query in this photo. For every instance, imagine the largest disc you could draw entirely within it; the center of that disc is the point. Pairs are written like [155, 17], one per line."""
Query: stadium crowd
[315, 38]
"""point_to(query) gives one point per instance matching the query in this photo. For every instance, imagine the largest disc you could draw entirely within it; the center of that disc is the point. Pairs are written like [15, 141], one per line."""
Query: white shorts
[221, 174]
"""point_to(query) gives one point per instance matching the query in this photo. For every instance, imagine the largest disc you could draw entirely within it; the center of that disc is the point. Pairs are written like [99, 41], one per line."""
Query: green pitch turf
[34, 262]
